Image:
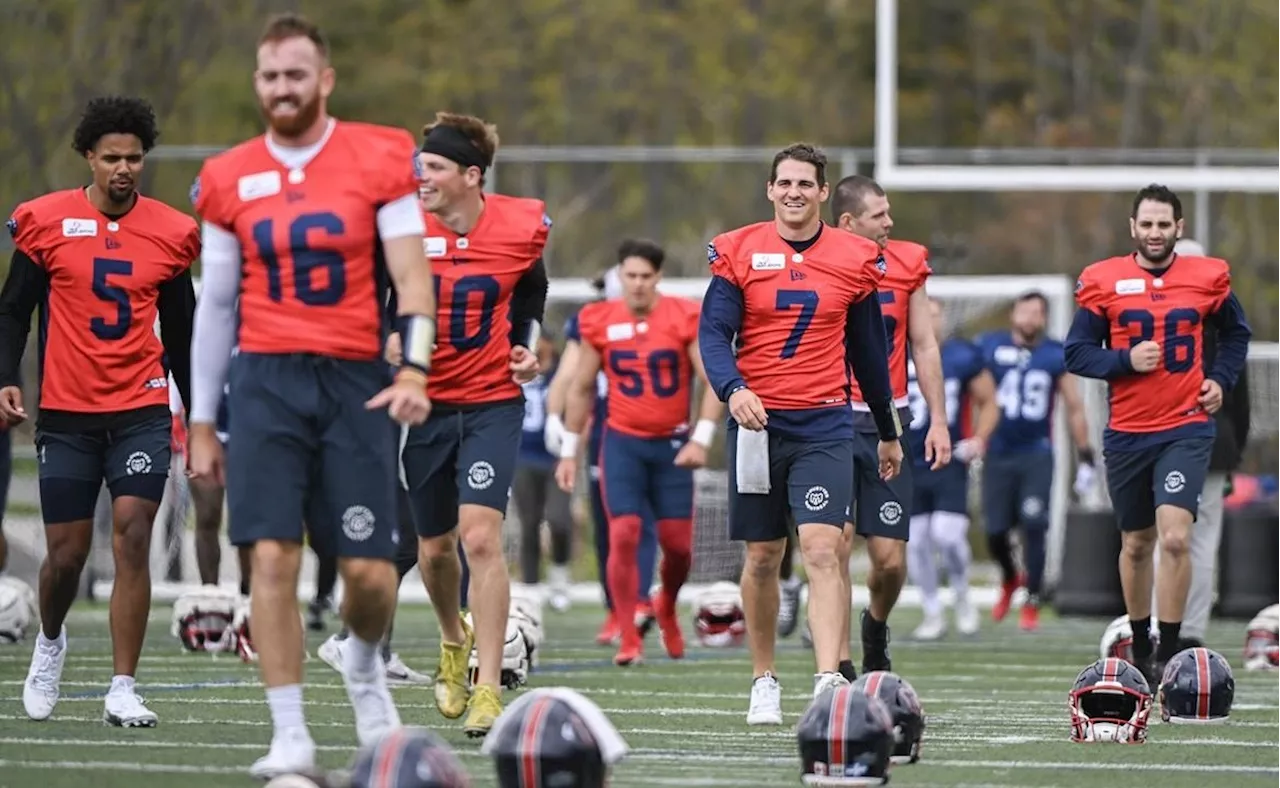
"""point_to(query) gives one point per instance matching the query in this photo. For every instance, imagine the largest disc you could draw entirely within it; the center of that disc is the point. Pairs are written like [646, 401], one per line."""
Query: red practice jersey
[646, 361]
[312, 278]
[1168, 310]
[792, 343]
[907, 267]
[475, 275]
[101, 353]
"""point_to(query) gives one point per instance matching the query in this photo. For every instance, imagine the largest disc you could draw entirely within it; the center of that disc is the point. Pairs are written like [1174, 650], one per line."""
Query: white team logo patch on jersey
[890, 512]
[79, 228]
[1032, 507]
[258, 185]
[480, 475]
[1174, 481]
[816, 498]
[138, 463]
[357, 523]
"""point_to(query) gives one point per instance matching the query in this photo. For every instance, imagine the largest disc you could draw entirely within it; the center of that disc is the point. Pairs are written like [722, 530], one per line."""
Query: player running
[881, 513]
[1139, 326]
[101, 262]
[609, 286]
[486, 254]
[297, 223]
[647, 345]
[795, 294]
[1017, 473]
[940, 501]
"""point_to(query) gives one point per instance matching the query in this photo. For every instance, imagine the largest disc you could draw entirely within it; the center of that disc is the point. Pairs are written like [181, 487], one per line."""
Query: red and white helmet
[1110, 702]
[203, 620]
[244, 635]
[718, 618]
[1117, 639]
[1262, 643]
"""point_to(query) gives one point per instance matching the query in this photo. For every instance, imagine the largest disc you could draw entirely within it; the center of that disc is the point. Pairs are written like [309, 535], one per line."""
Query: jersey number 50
[663, 367]
[306, 260]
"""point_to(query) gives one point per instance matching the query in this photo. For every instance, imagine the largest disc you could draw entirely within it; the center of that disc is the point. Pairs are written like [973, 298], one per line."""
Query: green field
[996, 711]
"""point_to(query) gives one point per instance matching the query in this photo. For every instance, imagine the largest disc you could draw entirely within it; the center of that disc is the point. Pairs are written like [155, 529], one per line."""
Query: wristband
[569, 446]
[417, 340]
[704, 432]
[535, 333]
[888, 425]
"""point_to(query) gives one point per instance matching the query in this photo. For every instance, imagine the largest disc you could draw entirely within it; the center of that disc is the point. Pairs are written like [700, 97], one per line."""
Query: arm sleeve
[528, 303]
[177, 306]
[23, 290]
[401, 218]
[867, 351]
[1233, 342]
[215, 323]
[718, 323]
[1084, 352]
[571, 331]
[1239, 405]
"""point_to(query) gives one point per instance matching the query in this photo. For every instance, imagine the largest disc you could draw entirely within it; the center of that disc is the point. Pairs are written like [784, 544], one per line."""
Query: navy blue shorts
[307, 450]
[813, 480]
[457, 457]
[639, 475]
[133, 460]
[1016, 490]
[1166, 474]
[879, 508]
[943, 490]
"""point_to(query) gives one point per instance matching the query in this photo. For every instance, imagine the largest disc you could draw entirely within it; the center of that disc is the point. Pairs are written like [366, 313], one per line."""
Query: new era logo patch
[796, 276]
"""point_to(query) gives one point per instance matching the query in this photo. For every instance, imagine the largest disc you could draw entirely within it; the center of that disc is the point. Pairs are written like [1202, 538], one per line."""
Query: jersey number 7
[807, 300]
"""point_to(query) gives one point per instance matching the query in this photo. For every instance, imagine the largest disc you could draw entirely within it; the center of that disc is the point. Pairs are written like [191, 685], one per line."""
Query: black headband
[455, 146]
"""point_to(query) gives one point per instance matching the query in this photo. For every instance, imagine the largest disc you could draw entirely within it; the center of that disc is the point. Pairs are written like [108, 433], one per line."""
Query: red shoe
[1029, 620]
[1007, 591]
[610, 633]
[668, 626]
[644, 616]
[631, 651]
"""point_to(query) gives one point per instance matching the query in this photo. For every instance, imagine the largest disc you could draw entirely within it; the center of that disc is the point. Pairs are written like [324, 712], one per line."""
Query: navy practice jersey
[533, 445]
[961, 363]
[1026, 383]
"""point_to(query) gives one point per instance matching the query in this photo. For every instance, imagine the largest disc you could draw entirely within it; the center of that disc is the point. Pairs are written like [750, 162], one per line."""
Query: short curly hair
[115, 115]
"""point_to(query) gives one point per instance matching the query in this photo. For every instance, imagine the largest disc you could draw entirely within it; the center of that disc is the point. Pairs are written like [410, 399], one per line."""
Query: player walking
[647, 345]
[295, 223]
[486, 254]
[101, 262]
[940, 507]
[881, 514]
[795, 293]
[1139, 326]
[1017, 473]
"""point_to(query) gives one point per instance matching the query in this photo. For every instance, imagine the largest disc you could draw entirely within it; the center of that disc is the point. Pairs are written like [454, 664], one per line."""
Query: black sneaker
[315, 614]
[875, 645]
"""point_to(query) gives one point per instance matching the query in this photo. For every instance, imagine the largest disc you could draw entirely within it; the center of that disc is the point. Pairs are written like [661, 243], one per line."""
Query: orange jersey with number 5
[906, 269]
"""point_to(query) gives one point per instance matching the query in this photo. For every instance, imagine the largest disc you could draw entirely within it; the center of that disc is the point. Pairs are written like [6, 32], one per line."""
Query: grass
[996, 709]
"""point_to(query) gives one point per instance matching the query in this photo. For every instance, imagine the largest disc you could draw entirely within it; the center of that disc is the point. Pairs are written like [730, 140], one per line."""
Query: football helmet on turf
[1197, 687]
[19, 612]
[244, 637]
[553, 736]
[1117, 639]
[417, 757]
[904, 708]
[204, 620]
[846, 738]
[1110, 702]
[515, 659]
[718, 619]
[1262, 642]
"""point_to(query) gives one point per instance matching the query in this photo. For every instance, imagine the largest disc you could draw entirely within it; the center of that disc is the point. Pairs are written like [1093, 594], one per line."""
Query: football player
[101, 262]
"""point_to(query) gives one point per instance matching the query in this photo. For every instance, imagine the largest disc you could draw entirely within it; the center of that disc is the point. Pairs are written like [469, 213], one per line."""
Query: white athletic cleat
[40, 691]
[766, 701]
[124, 709]
[932, 628]
[292, 752]
[330, 652]
[400, 673]
[558, 582]
[967, 618]
[825, 681]
[375, 711]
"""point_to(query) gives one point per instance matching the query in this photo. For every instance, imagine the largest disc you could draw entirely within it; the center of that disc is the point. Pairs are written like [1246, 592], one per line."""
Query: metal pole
[1203, 221]
[886, 87]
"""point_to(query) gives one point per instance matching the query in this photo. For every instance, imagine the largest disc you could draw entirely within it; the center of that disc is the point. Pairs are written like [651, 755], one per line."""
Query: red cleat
[644, 616]
[610, 633]
[1029, 620]
[668, 626]
[631, 651]
[1007, 590]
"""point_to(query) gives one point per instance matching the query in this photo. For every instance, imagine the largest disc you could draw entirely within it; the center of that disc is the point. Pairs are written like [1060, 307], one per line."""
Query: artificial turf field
[996, 709]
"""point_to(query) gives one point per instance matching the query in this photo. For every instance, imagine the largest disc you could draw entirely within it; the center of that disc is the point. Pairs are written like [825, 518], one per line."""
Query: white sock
[52, 645]
[920, 566]
[286, 708]
[951, 532]
[558, 576]
[361, 658]
[122, 684]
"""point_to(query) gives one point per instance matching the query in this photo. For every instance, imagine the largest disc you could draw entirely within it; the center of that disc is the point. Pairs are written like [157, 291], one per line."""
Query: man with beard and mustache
[298, 224]
[1017, 472]
[1140, 327]
[101, 262]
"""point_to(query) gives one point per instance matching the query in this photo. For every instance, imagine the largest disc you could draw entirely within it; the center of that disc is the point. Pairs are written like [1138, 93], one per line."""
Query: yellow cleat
[451, 681]
[485, 706]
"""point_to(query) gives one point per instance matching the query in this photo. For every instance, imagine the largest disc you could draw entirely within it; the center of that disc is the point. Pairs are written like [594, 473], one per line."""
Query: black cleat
[315, 614]
[875, 645]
